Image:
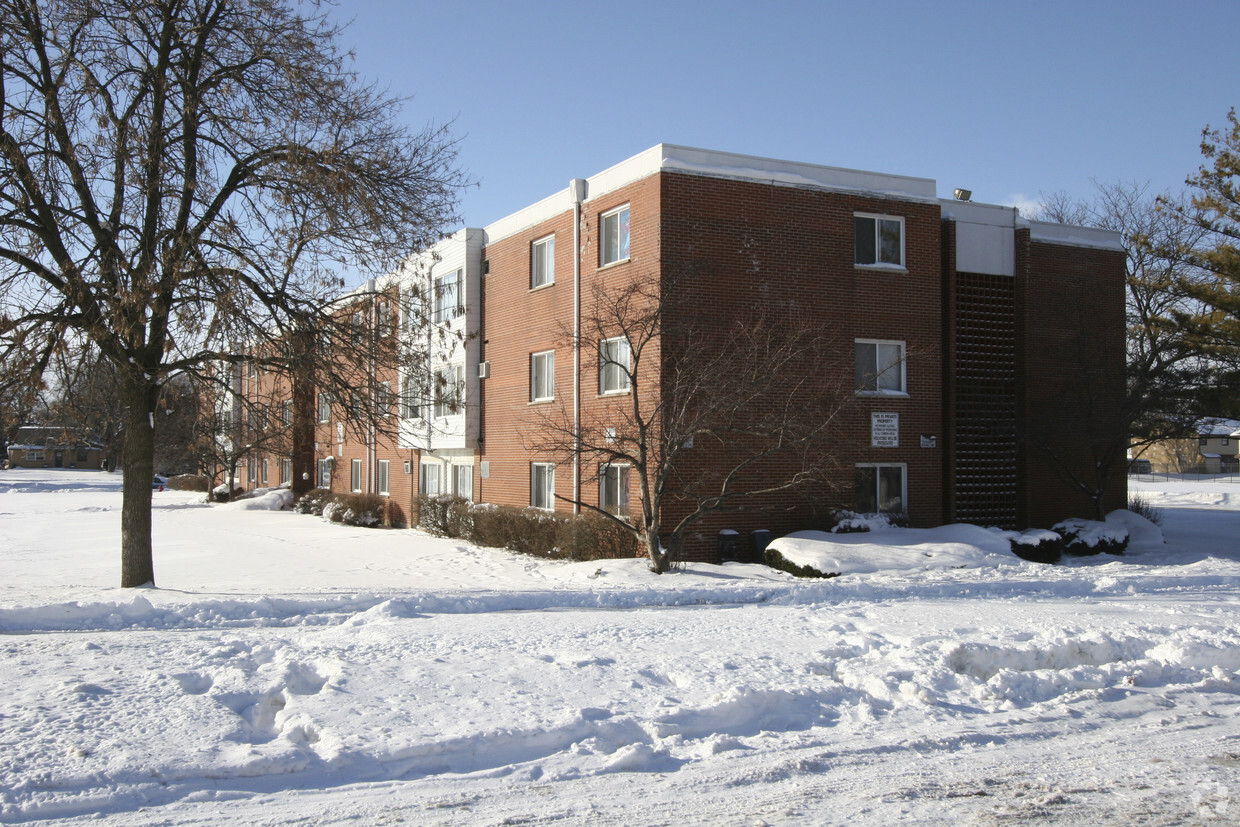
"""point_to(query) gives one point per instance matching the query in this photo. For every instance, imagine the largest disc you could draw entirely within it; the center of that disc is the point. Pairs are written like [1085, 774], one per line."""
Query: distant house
[38, 446]
[1212, 451]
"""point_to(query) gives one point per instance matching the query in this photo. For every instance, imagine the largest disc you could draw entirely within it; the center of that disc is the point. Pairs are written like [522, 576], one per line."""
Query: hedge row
[533, 531]
[365, 510]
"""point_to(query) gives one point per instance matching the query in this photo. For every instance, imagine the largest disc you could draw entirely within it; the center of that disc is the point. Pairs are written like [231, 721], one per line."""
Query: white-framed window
[286, 412]
[325, 473]
[882, 488]
[385, 319]
[449, 389]
[880, 366]
[447, 297]
[251, 471]
[34, 455]
[383, 399]
[385, 477]
[613, 365]
[358, 326]
[355, 476]
[542, 485]
[542, 262]
[614, 236]
[878, 240]
[286, 471]
[409, 398]
[542, 376]
[325, 407]
[613, 489]
[264, 470]
[463, 481]
[428, 479]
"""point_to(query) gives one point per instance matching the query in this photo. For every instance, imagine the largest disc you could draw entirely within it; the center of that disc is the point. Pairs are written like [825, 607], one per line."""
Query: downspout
[577, 188]
[372, 465]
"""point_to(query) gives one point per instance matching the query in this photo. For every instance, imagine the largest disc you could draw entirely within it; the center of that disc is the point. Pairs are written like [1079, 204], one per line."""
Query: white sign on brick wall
[884, 429]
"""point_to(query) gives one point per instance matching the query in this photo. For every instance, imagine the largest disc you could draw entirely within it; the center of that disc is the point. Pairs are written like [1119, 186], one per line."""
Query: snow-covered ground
[291, 671]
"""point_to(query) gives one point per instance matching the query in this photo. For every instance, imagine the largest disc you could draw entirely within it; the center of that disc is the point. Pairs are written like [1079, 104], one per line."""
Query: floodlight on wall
[962, 195]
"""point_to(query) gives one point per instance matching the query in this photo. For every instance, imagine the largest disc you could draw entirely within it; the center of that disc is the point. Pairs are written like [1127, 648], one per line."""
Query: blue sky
[1008, 99]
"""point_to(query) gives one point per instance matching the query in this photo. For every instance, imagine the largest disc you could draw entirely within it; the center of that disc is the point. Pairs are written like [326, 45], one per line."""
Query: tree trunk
[137, 464]
[660, 560]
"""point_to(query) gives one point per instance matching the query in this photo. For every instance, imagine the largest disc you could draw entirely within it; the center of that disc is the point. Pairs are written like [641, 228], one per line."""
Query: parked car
[158, 483]
[1140, 466]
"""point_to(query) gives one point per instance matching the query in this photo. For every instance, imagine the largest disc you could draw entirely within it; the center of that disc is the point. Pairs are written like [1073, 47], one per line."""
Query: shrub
[1141, 507]
[188, 482]
[312, 502]
[1038, 546]
[777, 561]
[541, 533]
[591, 536]
[365, 510]
[445, 515]
[1086, 537]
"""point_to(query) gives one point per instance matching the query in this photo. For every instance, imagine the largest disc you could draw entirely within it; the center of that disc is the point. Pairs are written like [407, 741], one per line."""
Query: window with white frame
[882, 488]
[383, 398]
[613, 489]
[325, 473]
[613, 371]
[614, 236]
[385, 319]
[264, 470]
[447, 297]
[286, 412]
[385, 477]
[880, 366]
[409, 397]
[878, 240]
[355, 476]
[542, 376]
[325, 407]
[286, 471]
[463, 481]
[449, 388]
[251, 471]
[34, 455]
[358, 327]
[542, 262]
[542, 485]
[428, 479]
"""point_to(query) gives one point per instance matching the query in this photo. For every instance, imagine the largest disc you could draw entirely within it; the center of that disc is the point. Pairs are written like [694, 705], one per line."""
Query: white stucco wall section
[985, 237]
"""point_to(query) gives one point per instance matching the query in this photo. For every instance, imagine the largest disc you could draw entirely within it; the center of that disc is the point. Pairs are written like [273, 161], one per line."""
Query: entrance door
[59, 459]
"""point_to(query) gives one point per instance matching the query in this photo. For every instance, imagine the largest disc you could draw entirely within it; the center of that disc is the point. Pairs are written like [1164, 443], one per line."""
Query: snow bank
[896, 549]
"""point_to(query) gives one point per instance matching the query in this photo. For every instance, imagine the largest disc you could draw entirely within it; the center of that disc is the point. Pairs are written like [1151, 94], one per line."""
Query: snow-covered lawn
[291, 671]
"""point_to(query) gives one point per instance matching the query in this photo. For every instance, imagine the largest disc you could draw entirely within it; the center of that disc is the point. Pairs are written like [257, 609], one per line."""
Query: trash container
[759, 539]
[729, 546]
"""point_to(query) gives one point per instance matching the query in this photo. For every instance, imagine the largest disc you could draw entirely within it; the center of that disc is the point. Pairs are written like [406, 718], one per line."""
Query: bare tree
[708, 415]
[181, 180]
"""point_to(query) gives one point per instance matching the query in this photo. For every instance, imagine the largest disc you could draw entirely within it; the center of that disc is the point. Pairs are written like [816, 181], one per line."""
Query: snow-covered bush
[547, 534]
[313, 501]
[1141, 506]
[1086, 537]
[1037, 545]
[188, 482]
[445, 515]
[365, 510]
[777, 561]
[850, 522]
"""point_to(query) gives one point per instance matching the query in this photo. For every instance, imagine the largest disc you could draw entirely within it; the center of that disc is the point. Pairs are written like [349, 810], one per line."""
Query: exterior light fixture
[961, 194]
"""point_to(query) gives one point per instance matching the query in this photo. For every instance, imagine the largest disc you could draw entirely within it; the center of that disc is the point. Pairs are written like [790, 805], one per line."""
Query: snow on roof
[1216, 426]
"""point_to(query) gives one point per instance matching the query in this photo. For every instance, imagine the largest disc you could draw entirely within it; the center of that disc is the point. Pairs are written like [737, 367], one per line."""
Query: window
[878, 240]
[542, 262]
[34, 455]
[614, 232]
[286, 472]
[542, 485]
[428, 479]
[1203, 441]
[880, 366]
[463, 481]
[325, 473]
[447, 297]
[613, 489]
[325, 407]
[81, 455]
[385, 476]
[355, 476]
[613, 370]
[385, 319]
[408, 398]
[251, 471]
[881, 489]
[286, 412]
[383, 398]
[542, 376]
[355, 331]
[264, 471]
[449, 383]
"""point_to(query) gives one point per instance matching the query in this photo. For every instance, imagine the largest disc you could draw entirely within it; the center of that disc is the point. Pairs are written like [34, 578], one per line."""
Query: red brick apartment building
[970, 333]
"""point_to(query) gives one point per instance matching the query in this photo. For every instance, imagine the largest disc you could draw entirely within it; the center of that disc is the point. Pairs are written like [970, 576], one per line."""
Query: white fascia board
[972, 212]
[1071, 236]
[985, 237]
[727, 165]
[795, 174]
